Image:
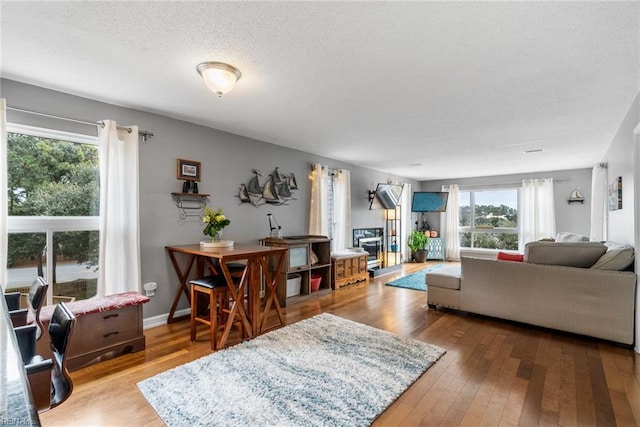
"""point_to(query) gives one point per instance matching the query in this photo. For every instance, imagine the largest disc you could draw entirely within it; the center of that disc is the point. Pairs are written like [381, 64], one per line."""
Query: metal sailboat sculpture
[276, 190]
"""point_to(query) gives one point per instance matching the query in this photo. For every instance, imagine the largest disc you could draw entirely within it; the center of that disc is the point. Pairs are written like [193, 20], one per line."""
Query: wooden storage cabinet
[348, 270]
[306, 256]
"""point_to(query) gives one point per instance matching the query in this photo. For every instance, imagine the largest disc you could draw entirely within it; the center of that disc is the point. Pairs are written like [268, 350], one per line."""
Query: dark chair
[36, 298]
[49, 379]
[38, 369]
[60, 331]
[13, 300]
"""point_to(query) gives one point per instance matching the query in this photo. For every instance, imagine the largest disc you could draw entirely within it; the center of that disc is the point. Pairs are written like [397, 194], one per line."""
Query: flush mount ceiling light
[219, 77]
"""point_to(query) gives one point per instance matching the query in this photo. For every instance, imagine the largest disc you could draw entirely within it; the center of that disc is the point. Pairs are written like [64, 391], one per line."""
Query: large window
[53, 202]
[489, 219]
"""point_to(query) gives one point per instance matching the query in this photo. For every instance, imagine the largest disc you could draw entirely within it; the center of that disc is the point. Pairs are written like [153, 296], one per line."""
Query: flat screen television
[389, 195]
[429, 201]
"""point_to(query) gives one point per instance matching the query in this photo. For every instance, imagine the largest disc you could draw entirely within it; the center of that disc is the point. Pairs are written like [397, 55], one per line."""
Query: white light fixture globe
[219, 77]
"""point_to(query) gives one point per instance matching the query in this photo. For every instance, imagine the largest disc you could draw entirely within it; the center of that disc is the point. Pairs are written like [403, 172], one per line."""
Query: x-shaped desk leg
[182, 277]
[237, 294]
[271, 284]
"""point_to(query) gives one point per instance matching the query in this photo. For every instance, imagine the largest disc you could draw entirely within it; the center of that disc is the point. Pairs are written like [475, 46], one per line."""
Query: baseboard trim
[161, 319]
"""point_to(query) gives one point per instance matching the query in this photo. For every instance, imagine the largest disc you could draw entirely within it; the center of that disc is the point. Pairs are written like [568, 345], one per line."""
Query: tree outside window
[53, 193]
[489, 219]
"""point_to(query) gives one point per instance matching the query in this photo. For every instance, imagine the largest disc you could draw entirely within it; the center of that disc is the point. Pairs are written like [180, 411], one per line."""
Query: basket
[315, 282]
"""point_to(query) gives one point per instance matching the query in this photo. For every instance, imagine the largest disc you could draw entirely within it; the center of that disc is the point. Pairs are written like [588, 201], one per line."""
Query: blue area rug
[322, 371]
[415, 280]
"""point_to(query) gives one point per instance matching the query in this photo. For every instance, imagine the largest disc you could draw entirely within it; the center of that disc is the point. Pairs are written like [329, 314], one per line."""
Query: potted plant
[418, 241]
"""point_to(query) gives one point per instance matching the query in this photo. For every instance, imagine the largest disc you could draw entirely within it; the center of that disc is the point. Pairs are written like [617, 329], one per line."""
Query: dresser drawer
[99, 330]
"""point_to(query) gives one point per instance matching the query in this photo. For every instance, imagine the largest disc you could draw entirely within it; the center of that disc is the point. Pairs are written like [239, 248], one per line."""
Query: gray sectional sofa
[568, 286]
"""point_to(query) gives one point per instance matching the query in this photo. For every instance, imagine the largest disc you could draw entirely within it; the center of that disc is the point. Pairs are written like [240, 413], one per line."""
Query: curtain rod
[143, 133]
[503, 185]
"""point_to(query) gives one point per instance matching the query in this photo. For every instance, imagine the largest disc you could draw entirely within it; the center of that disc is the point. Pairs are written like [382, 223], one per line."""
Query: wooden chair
[215, 287]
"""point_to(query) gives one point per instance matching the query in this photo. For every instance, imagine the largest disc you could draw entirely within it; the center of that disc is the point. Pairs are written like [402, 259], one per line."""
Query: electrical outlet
[150, 288]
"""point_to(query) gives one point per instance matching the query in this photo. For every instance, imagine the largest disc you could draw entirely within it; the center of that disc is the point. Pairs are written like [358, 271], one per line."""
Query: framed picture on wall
[615, 194]
[188, 169]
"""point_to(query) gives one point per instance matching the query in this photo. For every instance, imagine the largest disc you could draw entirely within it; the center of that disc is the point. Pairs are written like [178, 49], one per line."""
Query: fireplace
[370, 239]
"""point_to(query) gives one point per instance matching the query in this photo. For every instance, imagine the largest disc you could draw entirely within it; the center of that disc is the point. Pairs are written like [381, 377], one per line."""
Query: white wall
[623, 160]
[227, 161]
[620, 160]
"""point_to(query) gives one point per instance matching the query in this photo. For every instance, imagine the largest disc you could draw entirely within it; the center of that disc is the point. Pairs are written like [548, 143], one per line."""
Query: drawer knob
[109, 316]
[110, 334]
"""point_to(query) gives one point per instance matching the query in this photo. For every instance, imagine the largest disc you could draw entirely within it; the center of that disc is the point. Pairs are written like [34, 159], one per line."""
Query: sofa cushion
[617, 257]
[505, 256]
[571, 237]
[569, 254]
[445, 277]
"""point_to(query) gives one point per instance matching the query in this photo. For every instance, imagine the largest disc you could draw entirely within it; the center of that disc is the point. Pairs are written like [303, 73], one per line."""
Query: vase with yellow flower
[215, 221]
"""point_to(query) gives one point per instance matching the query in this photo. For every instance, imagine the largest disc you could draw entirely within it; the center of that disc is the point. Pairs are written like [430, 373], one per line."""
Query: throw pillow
[504, 256]
[618, 257]
[571, 237]
[582, 255]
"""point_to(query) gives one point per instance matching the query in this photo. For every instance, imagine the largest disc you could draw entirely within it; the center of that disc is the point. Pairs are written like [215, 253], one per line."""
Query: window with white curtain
[53, 211]
[489, 218]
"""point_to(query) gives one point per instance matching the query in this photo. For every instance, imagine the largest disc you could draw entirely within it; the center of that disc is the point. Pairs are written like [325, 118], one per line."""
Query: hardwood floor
[494, 372]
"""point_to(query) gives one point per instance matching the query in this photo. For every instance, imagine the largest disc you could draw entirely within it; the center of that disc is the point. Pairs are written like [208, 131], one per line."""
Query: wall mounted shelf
[190, 204]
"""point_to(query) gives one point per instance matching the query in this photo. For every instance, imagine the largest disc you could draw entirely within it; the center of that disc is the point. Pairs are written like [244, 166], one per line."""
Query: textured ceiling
[427, 90]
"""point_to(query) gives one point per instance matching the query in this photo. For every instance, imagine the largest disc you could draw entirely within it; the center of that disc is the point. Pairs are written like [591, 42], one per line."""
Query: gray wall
[575, 217]
[227, 161]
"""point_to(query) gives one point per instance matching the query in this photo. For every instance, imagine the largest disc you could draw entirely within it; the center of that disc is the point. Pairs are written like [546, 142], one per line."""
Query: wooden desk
[256, 267]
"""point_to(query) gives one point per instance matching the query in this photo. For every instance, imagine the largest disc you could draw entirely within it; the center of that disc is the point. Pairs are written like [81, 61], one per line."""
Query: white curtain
[537, 213]
[319, 205]
[450, 223]
[341, 210]
[4, 208]
[119, 211]
[599, 208]
[405, 228]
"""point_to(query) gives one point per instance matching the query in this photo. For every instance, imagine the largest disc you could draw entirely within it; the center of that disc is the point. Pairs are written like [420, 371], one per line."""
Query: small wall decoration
[189, 170]
[276, 189]
[615, 194]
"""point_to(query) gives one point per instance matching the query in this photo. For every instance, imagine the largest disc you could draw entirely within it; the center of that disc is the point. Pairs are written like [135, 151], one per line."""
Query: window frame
[485, 230]
[51, 224]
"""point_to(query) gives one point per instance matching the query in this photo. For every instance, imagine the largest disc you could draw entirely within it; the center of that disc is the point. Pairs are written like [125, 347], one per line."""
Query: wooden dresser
[348, 268]
[106, 327]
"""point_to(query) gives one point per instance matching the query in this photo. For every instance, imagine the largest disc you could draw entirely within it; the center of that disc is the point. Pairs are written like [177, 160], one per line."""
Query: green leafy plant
[417, 240]
[215, 220]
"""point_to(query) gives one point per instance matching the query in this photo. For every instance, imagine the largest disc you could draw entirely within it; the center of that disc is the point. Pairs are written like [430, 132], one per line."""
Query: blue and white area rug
[414, 280]
[322, 371]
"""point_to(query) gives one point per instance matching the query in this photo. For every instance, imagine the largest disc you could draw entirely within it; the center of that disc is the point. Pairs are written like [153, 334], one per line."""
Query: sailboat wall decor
[276, 189]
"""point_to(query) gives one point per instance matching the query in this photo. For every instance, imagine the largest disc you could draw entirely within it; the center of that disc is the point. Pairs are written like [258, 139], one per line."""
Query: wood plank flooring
[495, 373]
